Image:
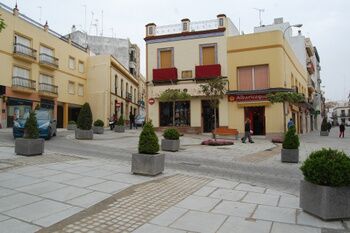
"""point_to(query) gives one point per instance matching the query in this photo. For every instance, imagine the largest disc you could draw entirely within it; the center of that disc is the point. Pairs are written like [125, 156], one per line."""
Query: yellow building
[39, 66]
[182, 56]
[262, 63]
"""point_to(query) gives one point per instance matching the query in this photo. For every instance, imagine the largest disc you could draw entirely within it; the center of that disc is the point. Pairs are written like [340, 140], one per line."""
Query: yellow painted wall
[257, 49]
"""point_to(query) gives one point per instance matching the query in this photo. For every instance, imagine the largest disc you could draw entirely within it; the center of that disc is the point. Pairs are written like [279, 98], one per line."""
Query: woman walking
[247, 132]
[341, 130]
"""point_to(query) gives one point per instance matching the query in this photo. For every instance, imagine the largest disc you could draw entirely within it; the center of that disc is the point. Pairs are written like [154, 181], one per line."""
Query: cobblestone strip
[131, 208]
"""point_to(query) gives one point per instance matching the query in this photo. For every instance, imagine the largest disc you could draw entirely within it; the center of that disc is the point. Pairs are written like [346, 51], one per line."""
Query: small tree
[214, 90]
[291, 139]
[2, 24]
[31, 129]
[324, 124]
[173, 95]
[120, 121]
[148, 143]
[285, 97]
[85, 118]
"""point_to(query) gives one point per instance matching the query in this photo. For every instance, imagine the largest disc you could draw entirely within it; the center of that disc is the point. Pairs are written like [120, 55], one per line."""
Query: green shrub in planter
[327, 167]
[171, 134]
[120, 121]
[99, 123]
[85, 118]
[148, 143]
[31, 129]
[71, 123]
[291, 139]
[324, 125]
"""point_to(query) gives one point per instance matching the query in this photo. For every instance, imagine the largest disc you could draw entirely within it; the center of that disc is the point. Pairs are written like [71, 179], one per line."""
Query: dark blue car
[46, 125]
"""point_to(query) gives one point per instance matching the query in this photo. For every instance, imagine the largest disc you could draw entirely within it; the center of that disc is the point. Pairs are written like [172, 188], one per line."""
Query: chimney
[222, 20]
[278, 20]
[186, 25]
[299, 32]
[15, 10]
[74, 28]
[46, 27]
[151, 29]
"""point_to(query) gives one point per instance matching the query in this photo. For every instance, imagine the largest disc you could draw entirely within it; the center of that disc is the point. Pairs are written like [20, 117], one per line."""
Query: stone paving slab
[16, 226]
[132, 207]
[241, 225]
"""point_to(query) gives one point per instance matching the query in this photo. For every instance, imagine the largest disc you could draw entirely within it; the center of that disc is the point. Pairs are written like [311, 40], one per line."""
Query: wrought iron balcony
[49, 88]
[22, 82]
[24, 51]
[128, 96]
[48, 60]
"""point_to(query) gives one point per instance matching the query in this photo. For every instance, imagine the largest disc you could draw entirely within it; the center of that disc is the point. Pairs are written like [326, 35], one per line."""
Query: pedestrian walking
[329, 126]
[247, 132]
[131, 119]
[341, 130]
[290, 123]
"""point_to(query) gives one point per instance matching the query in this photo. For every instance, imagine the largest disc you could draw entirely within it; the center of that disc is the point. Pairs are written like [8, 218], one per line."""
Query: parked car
[46, 125]
[140, 120]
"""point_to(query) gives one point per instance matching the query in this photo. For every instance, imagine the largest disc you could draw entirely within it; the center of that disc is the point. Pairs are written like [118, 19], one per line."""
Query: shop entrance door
[208, 117]
[257, 119]
[59, 116]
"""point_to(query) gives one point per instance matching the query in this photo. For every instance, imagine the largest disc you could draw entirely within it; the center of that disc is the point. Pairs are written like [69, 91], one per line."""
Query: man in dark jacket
[341, 129]
[247, 132]
[131, 119]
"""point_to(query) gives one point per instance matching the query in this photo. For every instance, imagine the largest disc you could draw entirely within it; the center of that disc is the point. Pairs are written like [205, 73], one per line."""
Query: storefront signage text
[247, 98]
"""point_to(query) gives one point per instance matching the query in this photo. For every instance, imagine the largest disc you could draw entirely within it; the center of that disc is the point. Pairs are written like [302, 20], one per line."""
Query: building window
[121, 88]
[46, 54]
[150, 30]
[116, 84]
[184, 27]
[71, 63]
[208, 54]
[135, 96]
[221, 22]
[71, 88]
[81, 67]
[20, 72]
[182, 113]
[81, 90]
[165, 58]
[253, 77]
[22, 41]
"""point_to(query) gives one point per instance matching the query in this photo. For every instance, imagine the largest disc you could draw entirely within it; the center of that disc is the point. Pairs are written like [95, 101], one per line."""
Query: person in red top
[341, 130]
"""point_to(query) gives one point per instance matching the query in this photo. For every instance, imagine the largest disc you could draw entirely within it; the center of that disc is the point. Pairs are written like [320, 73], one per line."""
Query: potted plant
[98, 127]
[71, 125]
[290, 147]
[31, 144]
[148, 161]
[84, 123]
[120, 127]
[325, 190]
[171, 140]
[324, 127]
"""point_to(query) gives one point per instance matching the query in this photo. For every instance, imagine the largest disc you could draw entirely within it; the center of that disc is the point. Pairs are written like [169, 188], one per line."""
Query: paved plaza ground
[92, 190]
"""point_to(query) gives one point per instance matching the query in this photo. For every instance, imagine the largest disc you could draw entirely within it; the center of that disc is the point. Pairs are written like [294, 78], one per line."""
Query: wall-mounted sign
[151, 101]
[247, 98]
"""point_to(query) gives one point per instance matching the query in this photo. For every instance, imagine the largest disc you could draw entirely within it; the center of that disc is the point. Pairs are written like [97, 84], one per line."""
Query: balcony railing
[46, 87]
[208, 71]
[23, 82]
[48, 60]
[24, 50]
[165, 75]
[128, 96]
[310, 67]
[194, 26]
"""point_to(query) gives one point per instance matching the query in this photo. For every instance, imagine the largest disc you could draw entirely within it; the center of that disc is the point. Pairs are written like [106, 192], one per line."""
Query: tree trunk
[173, 113]
[284, 117]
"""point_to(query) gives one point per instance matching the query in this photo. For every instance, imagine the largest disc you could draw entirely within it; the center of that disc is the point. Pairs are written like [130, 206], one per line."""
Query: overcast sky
[326, 22]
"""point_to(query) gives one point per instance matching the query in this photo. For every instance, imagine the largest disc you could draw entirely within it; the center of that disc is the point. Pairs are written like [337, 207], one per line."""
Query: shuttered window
[46, 79]
[46, 50]
[166, 57]
[22, 40]
[20, 72]
[253, 77]
[208, 55]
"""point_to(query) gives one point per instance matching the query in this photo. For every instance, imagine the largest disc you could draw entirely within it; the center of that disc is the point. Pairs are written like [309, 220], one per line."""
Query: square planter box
[84, 134]
[146, 164]
[29, 147]
[71, 126]
[290, 155]
[328, 203]
[119, 128]
[324, 133]
[98, 129]
[170, 145]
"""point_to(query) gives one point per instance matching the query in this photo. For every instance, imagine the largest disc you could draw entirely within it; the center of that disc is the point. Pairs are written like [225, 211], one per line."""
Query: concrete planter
[71, 126]
[29, 147]
[119, 128]
[324, 133]
[84, 134]
[146, 164]
[170, 145]
[328, 203]
[98, 129]
[290, 155]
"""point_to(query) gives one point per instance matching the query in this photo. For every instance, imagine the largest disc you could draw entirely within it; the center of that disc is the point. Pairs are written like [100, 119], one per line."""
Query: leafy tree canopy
[173, 95]
[280, 97]
[2, 23]
[214, 88]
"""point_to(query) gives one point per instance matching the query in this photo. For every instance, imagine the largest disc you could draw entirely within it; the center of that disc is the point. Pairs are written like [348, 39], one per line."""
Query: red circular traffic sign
[151, 101]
